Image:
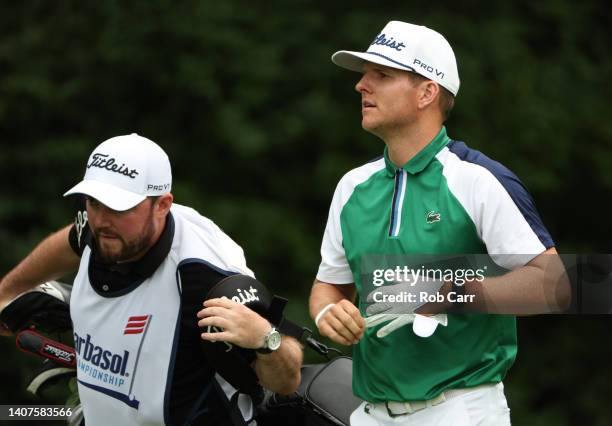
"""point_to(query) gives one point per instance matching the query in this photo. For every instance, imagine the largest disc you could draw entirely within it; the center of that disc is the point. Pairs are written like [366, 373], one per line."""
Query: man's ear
[163, 204]
[428, 93]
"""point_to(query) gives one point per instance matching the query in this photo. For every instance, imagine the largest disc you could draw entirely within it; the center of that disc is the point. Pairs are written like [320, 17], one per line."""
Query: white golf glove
[400, 310]
[422, 325]
[395, 321]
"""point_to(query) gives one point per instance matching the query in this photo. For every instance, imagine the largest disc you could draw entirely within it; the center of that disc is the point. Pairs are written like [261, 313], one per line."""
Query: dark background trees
[260, 126]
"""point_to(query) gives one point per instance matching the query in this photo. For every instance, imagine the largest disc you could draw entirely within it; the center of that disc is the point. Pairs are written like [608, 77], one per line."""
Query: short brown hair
[446, 100]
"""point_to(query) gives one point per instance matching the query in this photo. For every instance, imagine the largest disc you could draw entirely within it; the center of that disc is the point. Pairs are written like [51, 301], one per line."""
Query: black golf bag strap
[290, 328]
[276, 308]
[283, 325]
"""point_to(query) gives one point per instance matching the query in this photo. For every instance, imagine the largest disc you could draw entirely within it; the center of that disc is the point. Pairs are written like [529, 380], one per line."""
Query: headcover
[45, 306]
[231, 361]
[245, 290]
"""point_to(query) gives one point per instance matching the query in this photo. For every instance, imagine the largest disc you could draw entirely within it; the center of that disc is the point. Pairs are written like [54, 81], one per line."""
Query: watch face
[274, 340]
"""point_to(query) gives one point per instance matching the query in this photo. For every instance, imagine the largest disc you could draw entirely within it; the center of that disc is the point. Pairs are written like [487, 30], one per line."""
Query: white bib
[125, 344]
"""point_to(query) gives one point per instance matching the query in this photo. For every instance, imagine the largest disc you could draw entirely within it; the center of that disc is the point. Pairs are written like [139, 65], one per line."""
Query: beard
[127, 250]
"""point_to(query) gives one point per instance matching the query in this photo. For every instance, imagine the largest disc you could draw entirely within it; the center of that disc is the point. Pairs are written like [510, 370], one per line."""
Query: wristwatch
[272, 342]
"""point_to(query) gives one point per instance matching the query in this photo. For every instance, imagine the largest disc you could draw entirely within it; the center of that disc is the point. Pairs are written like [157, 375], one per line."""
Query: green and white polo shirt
[448, 199]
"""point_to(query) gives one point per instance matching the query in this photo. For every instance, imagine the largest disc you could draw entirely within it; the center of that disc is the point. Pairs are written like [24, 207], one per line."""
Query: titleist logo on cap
[389, 42]
[102, 161]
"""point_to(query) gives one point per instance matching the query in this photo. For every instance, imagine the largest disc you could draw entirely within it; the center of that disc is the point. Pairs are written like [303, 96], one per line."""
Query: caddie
[145, 267]
[428, 194]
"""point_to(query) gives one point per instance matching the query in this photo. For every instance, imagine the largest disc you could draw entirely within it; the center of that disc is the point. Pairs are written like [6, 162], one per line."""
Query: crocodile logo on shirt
[432, 217]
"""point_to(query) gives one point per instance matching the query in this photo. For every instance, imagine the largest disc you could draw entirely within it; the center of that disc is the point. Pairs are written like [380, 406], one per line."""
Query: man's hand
[278, 371]
[240, 325]
[342, 323]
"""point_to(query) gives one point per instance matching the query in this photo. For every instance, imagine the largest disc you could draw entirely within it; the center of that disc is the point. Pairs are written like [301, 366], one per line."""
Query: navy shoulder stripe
[206, 264]
[511, 183]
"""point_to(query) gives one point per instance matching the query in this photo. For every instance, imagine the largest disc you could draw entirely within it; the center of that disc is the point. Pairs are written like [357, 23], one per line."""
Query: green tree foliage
[260, 126]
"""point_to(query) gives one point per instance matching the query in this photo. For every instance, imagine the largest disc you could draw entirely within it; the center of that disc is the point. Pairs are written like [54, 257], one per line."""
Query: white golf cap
[408, 47]
[122, 171]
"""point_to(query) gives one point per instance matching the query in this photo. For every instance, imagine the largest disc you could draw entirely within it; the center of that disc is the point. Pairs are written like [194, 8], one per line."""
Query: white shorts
[484, 406]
